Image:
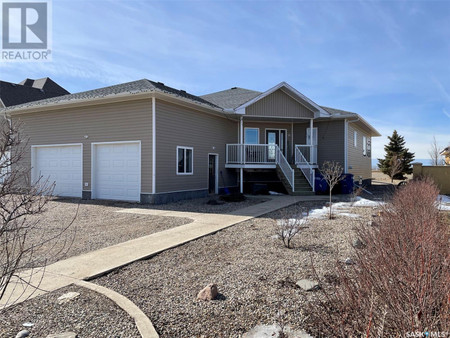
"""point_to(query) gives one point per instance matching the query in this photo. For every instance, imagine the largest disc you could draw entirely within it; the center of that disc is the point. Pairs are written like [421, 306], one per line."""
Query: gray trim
[169, 197]
[86, 195]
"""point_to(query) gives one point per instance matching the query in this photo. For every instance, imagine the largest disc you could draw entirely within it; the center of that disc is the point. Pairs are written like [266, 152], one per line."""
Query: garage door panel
[61, 165]
[117, 171]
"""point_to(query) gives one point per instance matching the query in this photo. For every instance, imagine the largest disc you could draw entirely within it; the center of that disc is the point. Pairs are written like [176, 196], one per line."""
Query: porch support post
[241, 142]
[241, 180]
[241, 132]
[311, 147]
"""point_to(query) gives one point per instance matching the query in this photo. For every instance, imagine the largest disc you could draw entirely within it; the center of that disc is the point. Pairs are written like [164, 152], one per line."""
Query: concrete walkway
[96, 263]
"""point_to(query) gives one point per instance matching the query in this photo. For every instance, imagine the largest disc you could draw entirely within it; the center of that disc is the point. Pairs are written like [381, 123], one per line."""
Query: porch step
[301, 184]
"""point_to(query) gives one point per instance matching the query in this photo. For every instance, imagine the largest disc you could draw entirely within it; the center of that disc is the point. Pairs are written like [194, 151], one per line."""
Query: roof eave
[106, 99]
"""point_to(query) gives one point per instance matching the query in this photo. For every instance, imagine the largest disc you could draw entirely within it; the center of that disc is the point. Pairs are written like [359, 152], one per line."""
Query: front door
[275, 137]
[212, 174]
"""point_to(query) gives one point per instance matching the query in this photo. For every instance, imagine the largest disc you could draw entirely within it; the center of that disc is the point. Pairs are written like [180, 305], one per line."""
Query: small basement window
[185, 159]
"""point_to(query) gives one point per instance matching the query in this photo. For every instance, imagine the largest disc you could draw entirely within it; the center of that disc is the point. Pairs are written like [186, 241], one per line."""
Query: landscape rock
[308, 285]
[63, 335]
[22, 334]
[67, 297]
[208, 293]
[273, 331]
[349, 261]
[358, 244]
[28, 324]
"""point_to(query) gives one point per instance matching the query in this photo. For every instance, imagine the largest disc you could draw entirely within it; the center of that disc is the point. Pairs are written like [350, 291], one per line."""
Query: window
[355, 139]
[364, 146]
[185, 158]
[251, 136]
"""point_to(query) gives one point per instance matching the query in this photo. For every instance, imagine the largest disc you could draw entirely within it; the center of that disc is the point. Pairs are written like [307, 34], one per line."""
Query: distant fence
[440, 175]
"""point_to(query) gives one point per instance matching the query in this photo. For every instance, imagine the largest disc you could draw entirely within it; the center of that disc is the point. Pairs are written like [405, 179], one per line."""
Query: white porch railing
[309, 153]
[260, 154]
[305, 166]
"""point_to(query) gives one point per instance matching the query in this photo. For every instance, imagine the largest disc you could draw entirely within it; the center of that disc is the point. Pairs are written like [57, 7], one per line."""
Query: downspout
[153, 145]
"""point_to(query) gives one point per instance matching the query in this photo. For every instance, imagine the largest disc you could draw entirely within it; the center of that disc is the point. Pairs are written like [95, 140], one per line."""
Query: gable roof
[239, 98]
[231, 98]
[12, 94]
[134, 87]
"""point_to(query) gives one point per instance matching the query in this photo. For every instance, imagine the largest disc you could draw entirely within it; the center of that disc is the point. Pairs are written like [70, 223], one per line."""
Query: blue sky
[387, 60]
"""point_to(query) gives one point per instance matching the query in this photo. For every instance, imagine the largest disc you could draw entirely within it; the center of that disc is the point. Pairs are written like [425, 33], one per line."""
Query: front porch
[297, 176]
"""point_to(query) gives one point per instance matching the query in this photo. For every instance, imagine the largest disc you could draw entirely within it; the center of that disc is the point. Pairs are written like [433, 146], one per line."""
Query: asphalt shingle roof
[135, 87]
[231, 98]
[337, 112]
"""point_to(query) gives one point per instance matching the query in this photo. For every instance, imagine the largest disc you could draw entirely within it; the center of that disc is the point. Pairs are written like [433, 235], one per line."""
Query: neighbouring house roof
[45, 84]
[12, 94]
[231, 98]
[135, 87]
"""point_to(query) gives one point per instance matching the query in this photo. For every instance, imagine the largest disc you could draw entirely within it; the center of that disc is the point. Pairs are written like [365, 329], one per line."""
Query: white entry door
[116, 171]
[59, 164]
[313, 149]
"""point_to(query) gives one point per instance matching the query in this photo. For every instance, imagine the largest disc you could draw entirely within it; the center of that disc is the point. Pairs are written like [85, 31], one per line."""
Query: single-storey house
[146, 142]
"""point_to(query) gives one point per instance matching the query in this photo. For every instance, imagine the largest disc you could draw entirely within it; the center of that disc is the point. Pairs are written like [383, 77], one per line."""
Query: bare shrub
[288, 226]
[435, 153]
[395, 166]
[20, 201]
[332, 174]
[401, 280]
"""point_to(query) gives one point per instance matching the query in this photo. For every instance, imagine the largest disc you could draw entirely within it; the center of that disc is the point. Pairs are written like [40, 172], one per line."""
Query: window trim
[176, 164]
[355, 138]
[364, 145]
[257, 136]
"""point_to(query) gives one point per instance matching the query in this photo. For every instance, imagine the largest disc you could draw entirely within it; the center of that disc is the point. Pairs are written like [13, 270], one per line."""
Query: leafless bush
[289, 226]
[332, 174]
[401, 280]
[435, 153]
[20, 200]
[395, 166]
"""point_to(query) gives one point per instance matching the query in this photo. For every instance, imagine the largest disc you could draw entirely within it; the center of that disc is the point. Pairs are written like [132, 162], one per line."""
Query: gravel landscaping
[255, 274]
[89, 315]
[96, 226]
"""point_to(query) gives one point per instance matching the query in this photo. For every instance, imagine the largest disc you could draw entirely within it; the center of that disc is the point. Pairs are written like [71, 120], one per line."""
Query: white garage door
[61, 164]
[117, 171]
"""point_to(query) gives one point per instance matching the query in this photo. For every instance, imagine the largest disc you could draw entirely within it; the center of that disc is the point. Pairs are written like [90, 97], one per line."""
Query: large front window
[185, 160]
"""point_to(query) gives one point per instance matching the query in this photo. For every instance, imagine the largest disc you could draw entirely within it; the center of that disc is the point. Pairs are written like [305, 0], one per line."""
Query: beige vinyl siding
[278, 104]
[123, 121]
[358, 164]
[330, 140]
[205, 133]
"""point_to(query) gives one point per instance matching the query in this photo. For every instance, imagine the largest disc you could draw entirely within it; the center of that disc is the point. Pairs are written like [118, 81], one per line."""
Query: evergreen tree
[396, 146]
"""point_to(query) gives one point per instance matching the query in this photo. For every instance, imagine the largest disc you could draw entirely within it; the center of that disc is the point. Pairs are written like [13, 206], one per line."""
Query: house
[28, 90]
[144, 141]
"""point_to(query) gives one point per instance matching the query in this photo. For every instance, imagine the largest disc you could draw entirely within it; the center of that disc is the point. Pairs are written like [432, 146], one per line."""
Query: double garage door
[115, 170]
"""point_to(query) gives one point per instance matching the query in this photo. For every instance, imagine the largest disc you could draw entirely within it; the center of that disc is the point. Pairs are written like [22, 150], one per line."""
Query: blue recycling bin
[346, 185]
[320, 185]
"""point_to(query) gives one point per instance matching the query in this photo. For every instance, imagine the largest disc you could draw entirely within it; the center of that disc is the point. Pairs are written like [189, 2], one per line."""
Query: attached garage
[61, 164]
[116, 171]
